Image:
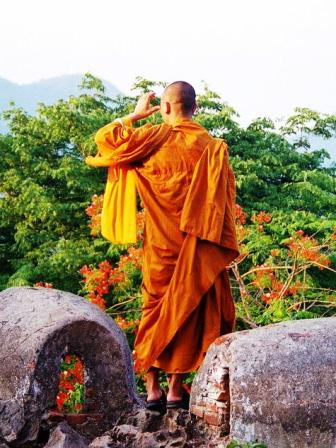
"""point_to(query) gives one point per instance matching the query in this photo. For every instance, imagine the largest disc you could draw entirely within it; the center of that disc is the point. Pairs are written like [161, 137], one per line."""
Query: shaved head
[181, 92]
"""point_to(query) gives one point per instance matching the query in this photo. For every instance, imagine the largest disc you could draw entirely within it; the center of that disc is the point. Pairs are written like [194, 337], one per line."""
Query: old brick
[224, 395]
[224, 406]
[197, 410]
[213, 418]
[211, 407]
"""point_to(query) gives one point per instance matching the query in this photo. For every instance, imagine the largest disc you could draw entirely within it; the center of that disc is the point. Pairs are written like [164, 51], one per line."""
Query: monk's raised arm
[120, 144]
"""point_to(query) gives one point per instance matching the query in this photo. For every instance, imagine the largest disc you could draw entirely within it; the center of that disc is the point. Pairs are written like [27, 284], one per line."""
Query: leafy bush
[70, 397]
[235, 444]
[285, 221]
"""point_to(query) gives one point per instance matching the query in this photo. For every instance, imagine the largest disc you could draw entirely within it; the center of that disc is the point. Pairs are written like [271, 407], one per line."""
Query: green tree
[46, 186]
[44, 233]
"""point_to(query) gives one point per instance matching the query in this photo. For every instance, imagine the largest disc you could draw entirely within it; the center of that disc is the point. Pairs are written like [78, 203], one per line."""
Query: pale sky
[263, 56]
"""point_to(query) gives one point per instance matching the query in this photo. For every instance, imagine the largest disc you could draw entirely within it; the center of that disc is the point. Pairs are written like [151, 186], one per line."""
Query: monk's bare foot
[154, 394]
[153, 386]
[175, 387]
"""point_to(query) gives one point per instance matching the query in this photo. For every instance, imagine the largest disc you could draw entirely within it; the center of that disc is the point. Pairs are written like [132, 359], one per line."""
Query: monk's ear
[194, 108]
[167, 108]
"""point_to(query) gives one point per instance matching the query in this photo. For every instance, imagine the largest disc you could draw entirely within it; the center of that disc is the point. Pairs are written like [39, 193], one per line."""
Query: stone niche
[275, 384]
[37, 327]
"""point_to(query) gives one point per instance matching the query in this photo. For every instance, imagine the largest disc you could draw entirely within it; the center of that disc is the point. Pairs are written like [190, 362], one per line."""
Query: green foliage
[236, 444]
[280, 278]
[76, 396]
[45, 188]
[71, 393]
[44, 233]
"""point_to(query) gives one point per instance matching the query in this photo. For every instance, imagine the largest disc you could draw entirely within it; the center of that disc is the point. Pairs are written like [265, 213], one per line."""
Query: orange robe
[187, 189]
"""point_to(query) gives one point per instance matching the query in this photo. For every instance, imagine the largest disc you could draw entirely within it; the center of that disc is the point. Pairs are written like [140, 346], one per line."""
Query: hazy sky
[263, 56]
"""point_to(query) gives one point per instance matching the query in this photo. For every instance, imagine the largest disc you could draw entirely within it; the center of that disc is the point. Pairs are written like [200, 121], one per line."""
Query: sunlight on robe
[187, 188]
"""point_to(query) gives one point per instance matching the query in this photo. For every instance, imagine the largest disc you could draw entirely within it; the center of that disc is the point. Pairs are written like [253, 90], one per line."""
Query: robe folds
[187, 187]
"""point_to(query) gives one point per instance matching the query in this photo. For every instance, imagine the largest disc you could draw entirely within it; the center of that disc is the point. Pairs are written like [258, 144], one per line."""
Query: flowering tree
[286, 284]
[286, 269]
[45, 185]
[70, 397]
[284, 186]
[283, 286]
[116, 288]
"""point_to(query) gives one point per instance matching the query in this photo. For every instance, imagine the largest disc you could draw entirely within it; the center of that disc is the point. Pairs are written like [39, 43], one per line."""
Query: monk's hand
[144, 108]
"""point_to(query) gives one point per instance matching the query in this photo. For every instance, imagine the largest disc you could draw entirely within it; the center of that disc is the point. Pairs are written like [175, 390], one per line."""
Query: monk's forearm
[113, 134]
[131, 118]
[126, 121]
[119, 142]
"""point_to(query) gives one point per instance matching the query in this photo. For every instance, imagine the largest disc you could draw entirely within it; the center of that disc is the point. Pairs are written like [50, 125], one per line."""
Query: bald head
[183, 93]
[178, 100]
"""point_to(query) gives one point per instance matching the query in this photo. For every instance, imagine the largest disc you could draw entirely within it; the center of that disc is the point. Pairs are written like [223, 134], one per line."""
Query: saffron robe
[187, 188]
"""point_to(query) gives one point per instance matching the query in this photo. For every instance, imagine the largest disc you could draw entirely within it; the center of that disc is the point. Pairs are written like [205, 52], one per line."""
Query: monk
[186, 185]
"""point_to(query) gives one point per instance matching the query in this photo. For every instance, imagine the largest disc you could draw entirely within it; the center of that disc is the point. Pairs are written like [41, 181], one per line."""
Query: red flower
[261, 217]
[69, 378]
[275, 252]
[67, 359]
[240, 214]
[43, 285]
[60, 399]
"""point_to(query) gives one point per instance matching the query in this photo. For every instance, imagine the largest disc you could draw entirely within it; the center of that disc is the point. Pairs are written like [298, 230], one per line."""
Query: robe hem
[146, 365]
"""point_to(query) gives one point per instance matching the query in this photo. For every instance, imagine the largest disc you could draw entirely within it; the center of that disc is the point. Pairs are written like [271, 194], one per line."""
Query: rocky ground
[142, 429]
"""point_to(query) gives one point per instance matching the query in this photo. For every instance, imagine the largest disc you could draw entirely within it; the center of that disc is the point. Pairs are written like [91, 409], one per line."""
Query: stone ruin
[37, 327]
[275, 384]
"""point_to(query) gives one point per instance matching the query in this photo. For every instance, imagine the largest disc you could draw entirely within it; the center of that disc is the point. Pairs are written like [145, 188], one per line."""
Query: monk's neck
[177, 120]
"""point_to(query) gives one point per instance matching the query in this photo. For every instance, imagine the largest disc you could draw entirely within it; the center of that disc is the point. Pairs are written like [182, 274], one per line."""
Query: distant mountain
[46, 91]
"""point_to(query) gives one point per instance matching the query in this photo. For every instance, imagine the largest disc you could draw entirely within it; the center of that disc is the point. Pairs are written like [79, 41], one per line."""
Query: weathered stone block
[102, 442]
[282, 383]
[65, 437]
[37, 327]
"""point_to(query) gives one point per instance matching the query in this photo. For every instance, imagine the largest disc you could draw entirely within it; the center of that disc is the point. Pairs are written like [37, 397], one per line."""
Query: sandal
[180, 404]
[158, 405]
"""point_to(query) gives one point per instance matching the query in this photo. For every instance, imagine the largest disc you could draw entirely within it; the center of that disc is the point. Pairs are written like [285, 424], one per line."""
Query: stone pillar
[275, 384]
[37, 327]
